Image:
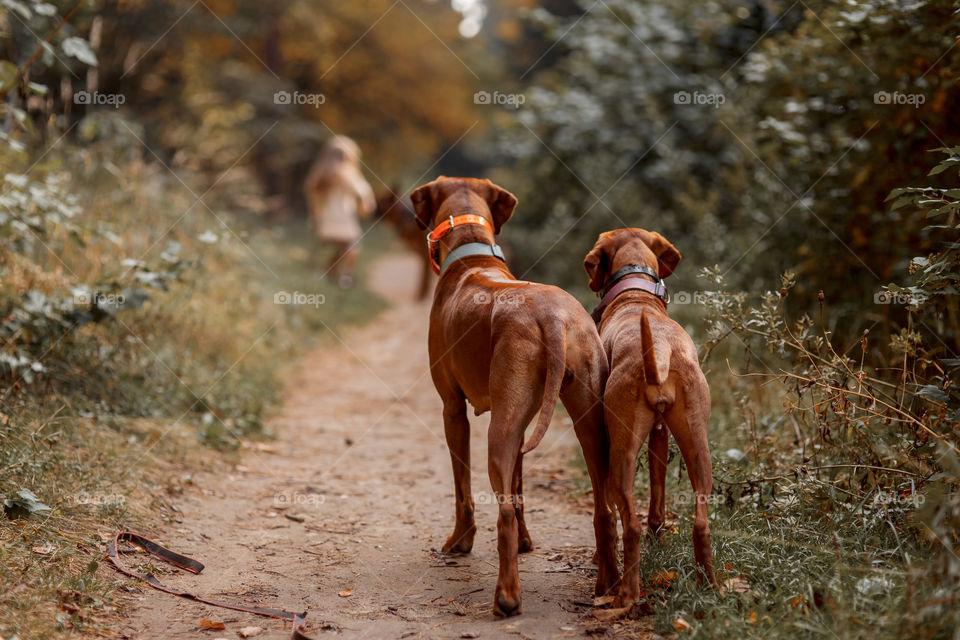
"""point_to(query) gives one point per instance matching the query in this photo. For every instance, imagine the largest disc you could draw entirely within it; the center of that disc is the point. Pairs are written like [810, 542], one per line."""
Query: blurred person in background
[337, 195]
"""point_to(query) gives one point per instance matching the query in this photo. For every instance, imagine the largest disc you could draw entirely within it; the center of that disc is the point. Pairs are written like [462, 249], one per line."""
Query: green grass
[818, 561]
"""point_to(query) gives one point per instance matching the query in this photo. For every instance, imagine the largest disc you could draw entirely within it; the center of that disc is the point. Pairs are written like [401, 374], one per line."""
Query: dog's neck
[630, 295]
[463, 234]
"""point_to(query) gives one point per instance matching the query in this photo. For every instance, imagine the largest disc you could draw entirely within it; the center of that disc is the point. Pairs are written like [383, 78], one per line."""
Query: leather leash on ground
[193, 566]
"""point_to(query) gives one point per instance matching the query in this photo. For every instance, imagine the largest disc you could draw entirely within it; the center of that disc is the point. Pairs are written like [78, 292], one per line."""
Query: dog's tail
[556, 343]
[660, 395]
[650, 371]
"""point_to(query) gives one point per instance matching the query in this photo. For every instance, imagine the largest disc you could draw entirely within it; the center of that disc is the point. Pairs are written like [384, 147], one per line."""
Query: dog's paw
[459, 543]
[504, 607]
[525, 545]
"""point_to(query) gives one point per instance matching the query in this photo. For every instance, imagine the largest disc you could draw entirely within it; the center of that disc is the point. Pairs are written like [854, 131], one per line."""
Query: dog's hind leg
[688, 422]
[456, 427]
[629, 421]
[584, 402]
[657, 453]
[525, 542]
[504, 440]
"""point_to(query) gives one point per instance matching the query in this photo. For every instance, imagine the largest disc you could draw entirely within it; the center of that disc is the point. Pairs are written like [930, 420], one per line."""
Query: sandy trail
[357, 494]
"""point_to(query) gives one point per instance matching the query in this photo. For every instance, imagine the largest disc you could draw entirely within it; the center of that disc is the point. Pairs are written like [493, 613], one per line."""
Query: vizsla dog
[512, 348]
[655, 379]
[399, 214]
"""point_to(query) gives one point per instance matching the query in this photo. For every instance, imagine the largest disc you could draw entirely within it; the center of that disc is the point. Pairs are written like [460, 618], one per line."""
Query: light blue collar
[472, 249]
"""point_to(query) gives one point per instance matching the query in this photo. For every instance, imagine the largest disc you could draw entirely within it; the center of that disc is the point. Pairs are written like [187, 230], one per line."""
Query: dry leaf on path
[44, 550]
[346, 593]
[607, 615]
[602, 601]
[681, 625]
[207, 623]
[249, 632]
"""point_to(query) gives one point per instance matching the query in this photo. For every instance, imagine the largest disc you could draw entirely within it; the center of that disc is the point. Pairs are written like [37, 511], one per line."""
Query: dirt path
[356, 494]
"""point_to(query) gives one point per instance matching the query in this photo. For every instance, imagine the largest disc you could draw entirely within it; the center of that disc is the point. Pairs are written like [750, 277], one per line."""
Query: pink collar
[656, 288]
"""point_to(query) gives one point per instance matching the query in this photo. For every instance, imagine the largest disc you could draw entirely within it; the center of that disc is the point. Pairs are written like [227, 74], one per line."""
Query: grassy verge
[824, 508]
[138, 328]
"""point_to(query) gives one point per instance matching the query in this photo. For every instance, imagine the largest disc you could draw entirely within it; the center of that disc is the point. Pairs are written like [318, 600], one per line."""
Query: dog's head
[446, 197]
[390, 205]
[616, 249]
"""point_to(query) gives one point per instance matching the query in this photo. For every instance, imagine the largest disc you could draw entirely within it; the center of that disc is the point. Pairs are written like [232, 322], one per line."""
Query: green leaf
[9, 75]
[79, 49]
[934, 393]
[24, 505]
[943, 166]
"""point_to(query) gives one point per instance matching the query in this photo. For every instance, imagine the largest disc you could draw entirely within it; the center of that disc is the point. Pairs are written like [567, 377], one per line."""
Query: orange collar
[442, 229]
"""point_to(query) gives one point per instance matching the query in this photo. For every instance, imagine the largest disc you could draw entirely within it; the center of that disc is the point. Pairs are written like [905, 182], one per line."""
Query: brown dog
[655, 379]
[510, 347]
[401, 217]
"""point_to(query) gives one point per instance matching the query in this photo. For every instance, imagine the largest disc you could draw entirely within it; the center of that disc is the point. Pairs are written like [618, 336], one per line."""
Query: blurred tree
[226, 84]
[759, 136]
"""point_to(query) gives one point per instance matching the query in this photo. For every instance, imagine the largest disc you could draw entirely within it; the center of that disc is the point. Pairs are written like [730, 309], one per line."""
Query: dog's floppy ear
[667, 255]
[502, 204]
[597, 263]
[425, 202]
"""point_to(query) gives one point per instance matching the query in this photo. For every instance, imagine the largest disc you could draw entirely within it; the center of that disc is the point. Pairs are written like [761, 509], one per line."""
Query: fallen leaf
[45, 549]
[603, 601]
[607, 615]
[664, 578]
[296, 517]
[249, 632]
[796, 602]
[752, 617]
[207, 623]
[736, 585]
[681, 625]
[346, 593]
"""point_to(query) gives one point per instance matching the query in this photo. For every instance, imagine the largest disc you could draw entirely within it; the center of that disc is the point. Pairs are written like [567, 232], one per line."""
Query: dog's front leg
[456, 427]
